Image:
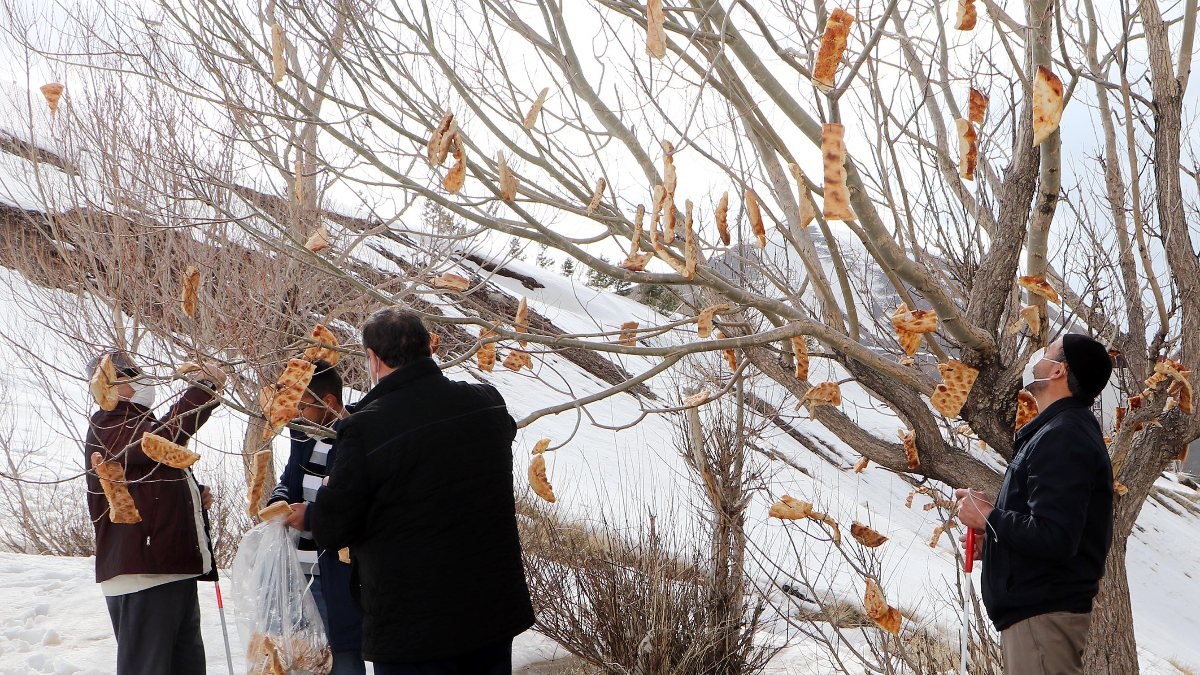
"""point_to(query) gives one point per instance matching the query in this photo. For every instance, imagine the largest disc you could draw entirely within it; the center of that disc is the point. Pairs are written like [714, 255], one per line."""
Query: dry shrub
[638, 604]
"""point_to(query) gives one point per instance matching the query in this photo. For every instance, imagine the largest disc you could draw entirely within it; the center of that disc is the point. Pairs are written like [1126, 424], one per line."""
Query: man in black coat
[422, 493]
[1048, 534]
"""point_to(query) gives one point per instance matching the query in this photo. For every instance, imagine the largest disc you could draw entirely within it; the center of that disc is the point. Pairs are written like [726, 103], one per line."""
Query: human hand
[973, 508]
[296, 519]
[212, 372]
[206, 498]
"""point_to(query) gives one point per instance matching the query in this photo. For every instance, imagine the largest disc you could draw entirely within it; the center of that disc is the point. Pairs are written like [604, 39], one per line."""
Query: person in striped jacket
[308, 463]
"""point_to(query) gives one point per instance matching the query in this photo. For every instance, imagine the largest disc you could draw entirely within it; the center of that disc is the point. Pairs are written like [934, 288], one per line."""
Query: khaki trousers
[1048, 644]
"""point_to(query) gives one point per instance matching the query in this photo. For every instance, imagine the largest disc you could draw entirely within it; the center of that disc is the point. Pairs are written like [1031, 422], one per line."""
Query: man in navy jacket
[1048, 534]
[308, 464]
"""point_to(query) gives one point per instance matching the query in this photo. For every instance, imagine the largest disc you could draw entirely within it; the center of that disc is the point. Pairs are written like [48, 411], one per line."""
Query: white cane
[968, 566]
[224, 628]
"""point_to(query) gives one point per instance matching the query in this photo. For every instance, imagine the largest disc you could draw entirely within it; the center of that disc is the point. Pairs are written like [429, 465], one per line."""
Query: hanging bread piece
[656, 36]
[278, 65]
[699, 398]
[800, 354]
[121, 507]
[729, 354]
[866, 536]
[861, 464]
[908, 438]
[541, 446]
[517, 359]
[886, 617]
[263, 469]
[669, 184]
[968, 149]
[833, 45]
[1032, 316]
[910, 324]
[597, 195]
[485, 356]
[538, 479]
[628, 334]
[756, 221]
[52, 92]
[825, 393]
[189, 292]
[531, 117]
[319, 241]
[163, 451]
[704, 320]
[457, 177]
[1027, 409]
[508, 181]
[1037, 285]
[940, 530]
[837, 195]
[789, 508]
[967, 16]
[808, 211]
[279, 510]
[657, 199]
[977, 102]
[958, 378]
[103, 384]
[691, 250]
[521, 319]
[1047, 104]
[449, 281]
[723, 218]
[284, 405]
[324, 350]
[434, 341]
[439, 142]
[636, 261]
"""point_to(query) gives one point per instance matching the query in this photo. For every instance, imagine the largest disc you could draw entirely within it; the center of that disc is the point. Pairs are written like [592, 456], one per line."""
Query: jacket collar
[401, 378]
[1044, 417]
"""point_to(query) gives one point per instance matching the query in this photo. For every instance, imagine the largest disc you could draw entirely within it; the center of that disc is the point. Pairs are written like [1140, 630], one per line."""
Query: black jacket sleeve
[338, 516]
[1059, 474]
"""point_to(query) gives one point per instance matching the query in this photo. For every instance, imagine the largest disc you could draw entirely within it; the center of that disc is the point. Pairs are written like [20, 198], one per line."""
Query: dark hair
[326, 380]
[397, 336]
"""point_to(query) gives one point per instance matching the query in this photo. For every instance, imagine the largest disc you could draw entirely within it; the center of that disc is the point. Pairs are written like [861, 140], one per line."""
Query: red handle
[969, 554]
[220, 605]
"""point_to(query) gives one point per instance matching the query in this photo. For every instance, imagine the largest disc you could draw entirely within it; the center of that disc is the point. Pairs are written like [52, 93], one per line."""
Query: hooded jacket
[422, 493]
[165, 541]
[1049, 533]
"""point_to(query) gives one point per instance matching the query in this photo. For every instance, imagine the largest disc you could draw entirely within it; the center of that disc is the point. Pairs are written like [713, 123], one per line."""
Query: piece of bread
[485, 356]
[958, 378]
[597, 197]
[1047, 104]
[704, 320]
[516, 360]
[756, 220]
[1037, 285]
[263, 468]
[699, 398]
[866, 536]
[977, 102]
[289, 389]
[790, 508]
[915, 320]
[121, 507]
[825, 393]
[886, 617]
[628, 336]
[1027, 409]
[636, 262]
[439, 142]
[800, 354]
[833, 46]
[861, 464]
[103, 384]
[531, 117]
[324, 349]
[276, 510]
[163, 451]
[53, 93]
[507, 180]
[966, 16]
[808, 212]
[448, 281]
[656, 36]
[278, 63]
[908, 438]
[837, 194]
[189, 293]
[538, 480]
[723, 218]
[691, 249]
[541, 446]
[457, 176]
[968, 149]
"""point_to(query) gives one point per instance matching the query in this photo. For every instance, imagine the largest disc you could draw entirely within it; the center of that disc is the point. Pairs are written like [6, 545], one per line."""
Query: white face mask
[1027, 376]
[371, 376]
[143, 394]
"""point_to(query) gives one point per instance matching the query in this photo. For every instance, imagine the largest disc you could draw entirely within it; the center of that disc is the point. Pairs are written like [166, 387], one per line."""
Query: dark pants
[346, 662]
[158, 630]
[496, 660]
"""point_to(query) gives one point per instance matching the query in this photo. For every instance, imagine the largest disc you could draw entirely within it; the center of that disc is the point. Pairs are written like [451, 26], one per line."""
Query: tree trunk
[1111, 647]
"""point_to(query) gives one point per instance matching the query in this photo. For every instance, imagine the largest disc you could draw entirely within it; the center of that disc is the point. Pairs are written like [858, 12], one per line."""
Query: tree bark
[1111, 647]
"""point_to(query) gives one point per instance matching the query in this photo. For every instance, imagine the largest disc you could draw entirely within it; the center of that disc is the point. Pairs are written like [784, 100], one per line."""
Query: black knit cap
[1089, 361]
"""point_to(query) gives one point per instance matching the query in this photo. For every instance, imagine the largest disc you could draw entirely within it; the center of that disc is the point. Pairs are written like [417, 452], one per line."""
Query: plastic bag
[276, 615]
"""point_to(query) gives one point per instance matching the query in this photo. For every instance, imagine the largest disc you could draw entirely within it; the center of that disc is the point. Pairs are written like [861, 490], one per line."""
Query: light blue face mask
[1027, 376]
[143, 394]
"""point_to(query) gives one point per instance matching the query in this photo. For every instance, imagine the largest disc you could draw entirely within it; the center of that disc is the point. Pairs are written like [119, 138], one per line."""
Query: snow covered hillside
[53, 616]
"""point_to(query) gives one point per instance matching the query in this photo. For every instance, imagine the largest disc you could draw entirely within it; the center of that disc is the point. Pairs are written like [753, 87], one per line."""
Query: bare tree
[339, 101]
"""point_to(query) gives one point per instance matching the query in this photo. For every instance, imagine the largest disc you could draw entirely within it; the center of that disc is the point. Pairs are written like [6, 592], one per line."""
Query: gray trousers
[158, 630]
[1048, 644]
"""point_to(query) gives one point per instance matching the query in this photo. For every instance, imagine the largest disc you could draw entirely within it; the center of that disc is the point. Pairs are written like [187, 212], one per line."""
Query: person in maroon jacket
[148, 570]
